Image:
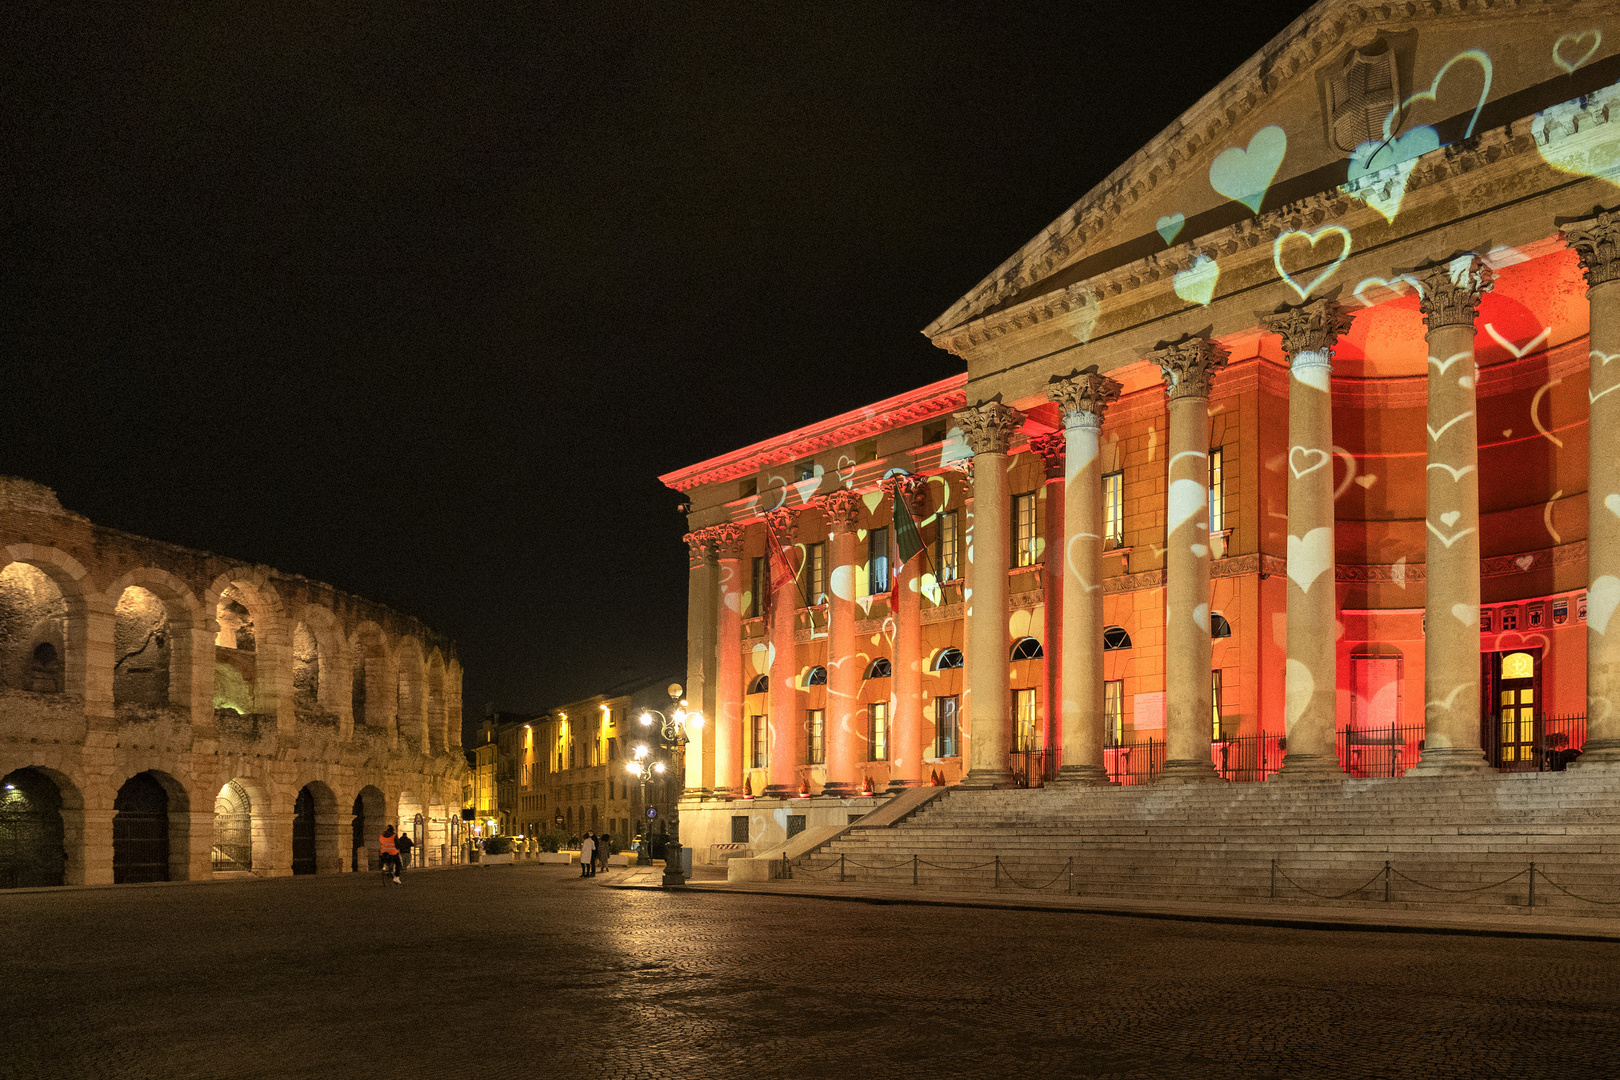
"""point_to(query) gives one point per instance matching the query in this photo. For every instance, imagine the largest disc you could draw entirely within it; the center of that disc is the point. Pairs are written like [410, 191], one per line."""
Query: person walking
[404, 845]
[604, 848]
[390, 854]
[587, 856]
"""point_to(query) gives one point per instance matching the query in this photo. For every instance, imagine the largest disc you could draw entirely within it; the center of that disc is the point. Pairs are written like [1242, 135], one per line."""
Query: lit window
[1114, 711]
[879, 712]
[756, 603]
[1215, 704]
[1115, 638]
[818, 751]
[1114, 509]
[948, 658]
[1024, 530]
[877, 548]
[815, 571]
[758, 749]
[1217, 493]
[1026, 736]
[946, 721]
[947, 557]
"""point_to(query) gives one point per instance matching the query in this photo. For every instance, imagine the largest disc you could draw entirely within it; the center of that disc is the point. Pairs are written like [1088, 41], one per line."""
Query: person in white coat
[587, 857]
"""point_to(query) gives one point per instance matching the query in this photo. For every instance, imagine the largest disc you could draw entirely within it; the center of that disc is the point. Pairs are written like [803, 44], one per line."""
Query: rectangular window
[1215, 703]
[946, 720]
[879, 711]
[947, 560]
[739, 829]
[1023, 529]
[1217, 493]
[818, 749]
[758, 749]
[815, 573]
[877, 549]
[1026, 732]
[756, 602]
[1114, 510]
[1114, 711]
[795, 825]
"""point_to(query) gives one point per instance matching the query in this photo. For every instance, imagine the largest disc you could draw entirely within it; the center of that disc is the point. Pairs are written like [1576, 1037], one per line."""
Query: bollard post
[840, 866]
[1070, 889]
[998, 871]
[787, 871]
[1386, 881]
[914, 869]
[1274, 879]
[1532, 884]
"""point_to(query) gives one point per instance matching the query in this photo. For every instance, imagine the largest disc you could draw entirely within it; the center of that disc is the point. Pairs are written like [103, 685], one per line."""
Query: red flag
[781, 569]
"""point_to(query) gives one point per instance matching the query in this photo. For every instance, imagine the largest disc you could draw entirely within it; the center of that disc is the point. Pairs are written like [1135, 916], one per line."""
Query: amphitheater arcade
[169, 715]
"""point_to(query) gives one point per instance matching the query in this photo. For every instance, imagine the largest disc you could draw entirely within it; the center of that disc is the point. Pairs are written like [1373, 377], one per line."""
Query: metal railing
[1246, 759]
[1388, 750]
[1030, 767]
[1133, 762]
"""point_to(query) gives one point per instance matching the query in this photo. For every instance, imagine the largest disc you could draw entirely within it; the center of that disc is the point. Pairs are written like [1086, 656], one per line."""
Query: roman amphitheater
[169, 715]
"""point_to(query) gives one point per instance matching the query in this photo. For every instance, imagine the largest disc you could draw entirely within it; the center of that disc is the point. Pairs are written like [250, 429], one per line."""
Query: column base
[981, 779]
[839, 790]
[1598, 753]
[1189, 771]
[1451, 761]
[1080, 776]
[901, 785]
[779, 791]
[1310, 767]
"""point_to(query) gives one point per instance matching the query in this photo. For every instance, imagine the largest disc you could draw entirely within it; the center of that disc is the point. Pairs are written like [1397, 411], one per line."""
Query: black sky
[419, 300]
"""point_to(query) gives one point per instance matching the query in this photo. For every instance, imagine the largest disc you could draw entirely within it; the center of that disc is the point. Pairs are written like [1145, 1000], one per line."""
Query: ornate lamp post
[673, 729]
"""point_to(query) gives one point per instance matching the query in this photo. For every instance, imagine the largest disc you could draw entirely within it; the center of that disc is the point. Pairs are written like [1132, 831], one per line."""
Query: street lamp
[674, 726]
[644, 768]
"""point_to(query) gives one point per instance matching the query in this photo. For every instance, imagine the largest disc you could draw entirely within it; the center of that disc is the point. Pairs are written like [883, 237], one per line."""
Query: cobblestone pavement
[531, 972]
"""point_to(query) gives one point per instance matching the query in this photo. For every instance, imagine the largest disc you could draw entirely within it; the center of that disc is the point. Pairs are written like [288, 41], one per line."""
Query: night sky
[419, 301]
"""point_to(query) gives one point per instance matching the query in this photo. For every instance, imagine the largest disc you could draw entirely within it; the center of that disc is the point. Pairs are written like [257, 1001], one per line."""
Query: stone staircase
[1215, 842]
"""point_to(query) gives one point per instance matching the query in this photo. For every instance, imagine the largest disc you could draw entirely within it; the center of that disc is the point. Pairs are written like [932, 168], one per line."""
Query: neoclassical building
[170, 715]
[1289, 451]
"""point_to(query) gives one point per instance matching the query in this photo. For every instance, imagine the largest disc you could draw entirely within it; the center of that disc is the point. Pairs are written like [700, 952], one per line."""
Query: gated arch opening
[233, 828]
[317, 838]
[303, 838]
[141, 830]
[33, 851]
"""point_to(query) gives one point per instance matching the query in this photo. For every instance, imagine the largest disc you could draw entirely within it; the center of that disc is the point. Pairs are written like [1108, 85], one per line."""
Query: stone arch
[34, 848]
[412, 820]
[72, 809]
[157, 639]
[68, 575]
[33, 630]
[370, 814]
[317, 833]
[372, 697]
[233, 828]
[438, 737]
[410, 697]
[252, 646]
[151, 829]
[332, 662]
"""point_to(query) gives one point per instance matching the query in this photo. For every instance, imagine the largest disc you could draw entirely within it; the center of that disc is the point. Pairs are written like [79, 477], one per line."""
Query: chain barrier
[1480, 888]
[1322, 896]
[1577, 896]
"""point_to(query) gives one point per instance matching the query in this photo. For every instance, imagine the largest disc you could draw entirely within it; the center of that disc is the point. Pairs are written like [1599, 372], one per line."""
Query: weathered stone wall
[121, 655]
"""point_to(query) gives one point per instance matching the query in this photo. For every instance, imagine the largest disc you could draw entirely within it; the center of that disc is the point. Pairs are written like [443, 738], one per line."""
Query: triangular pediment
[1308, 114]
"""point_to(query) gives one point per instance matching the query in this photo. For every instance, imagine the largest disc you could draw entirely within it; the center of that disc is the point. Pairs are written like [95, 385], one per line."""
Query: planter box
[486, 859]
[554, 857]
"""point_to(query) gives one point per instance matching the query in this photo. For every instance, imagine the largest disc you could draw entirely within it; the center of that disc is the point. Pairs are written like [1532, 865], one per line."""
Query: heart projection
[1310, 237]
[1245, 174]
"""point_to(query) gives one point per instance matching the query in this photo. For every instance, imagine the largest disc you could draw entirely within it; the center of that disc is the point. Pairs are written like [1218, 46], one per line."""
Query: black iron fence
[1385, 750]
[1030, 768]
[1247, 758]
[1134, 762]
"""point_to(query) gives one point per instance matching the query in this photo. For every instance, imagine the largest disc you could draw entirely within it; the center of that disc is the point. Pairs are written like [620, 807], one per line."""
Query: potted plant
[497, 850]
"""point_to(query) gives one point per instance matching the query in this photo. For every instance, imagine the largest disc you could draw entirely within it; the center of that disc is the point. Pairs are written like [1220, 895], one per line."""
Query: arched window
[1219, 627]
[816, 676]
[1115, 638]
[948, 659]
[880, 669]
[1027, 649]
[760, 685]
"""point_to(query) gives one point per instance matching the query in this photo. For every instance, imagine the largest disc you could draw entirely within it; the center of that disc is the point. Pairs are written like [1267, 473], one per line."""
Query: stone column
[842, 509]
[989, 429]
[1451, 290]
[1189, 367]
[701, 600]
[1050, 448]
[906, 730]
[1596, 240]
[1082, 398]
[782, 773]
[728, 662]
[1309, 333]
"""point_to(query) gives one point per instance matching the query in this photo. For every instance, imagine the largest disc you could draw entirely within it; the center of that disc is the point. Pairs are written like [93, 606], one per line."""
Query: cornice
[1229, 105]
[1525, 137]
[935, 399]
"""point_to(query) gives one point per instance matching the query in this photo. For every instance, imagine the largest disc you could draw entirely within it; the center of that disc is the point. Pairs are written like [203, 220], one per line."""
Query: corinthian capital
[989, 428]
[1084, 392]
[727, 540]
[700, 548]
[1189, 365]
[783, 524]
[841, 509]
[1452, 288]
[1596, 239]
[910, 487]
[1314, 327]
[1050, 447]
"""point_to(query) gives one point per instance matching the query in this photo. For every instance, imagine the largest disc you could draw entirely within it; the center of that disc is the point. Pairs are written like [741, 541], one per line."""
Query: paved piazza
[508, 972]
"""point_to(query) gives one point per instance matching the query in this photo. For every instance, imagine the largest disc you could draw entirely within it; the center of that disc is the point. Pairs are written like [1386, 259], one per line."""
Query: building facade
[168, 715]
[1285, 452]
